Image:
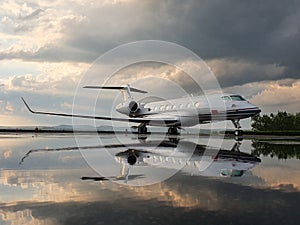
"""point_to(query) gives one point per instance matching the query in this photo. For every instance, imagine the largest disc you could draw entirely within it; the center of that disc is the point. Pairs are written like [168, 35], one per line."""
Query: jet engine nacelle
[133, 157]
[133, 107]
[128, 108]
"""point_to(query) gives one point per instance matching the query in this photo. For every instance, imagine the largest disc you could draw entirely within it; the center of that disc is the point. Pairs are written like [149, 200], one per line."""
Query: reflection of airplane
[192, 158]
[175, 113]
[222, 163]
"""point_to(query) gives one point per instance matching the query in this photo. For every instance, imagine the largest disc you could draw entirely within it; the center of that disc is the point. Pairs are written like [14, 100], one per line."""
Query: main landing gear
[142, 132]
[173, 131]
[142, 129]
[238, 134]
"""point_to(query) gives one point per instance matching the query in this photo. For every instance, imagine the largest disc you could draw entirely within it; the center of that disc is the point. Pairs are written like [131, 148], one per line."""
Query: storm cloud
[261, 33]
[243, 42]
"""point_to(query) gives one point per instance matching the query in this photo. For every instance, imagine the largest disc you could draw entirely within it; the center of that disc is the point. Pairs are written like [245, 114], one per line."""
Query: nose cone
[255, 109]
[258, 110]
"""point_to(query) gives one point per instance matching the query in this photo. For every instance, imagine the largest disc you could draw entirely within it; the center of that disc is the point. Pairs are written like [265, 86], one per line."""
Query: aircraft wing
[145, 120]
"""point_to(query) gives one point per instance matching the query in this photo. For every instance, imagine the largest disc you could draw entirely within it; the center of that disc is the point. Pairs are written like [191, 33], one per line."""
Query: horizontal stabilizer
[116, 88]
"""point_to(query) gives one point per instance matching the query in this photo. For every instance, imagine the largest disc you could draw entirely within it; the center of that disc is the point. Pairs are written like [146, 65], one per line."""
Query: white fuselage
[196, 110]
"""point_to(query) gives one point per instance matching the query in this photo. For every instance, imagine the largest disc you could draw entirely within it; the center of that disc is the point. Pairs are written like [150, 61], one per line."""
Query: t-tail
[129, 106]
[126, 90]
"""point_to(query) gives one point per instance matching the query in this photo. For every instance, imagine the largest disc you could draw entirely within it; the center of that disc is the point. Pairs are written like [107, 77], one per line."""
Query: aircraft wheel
[173, 130]
[238, 138]
[142, 130]
[238, 133]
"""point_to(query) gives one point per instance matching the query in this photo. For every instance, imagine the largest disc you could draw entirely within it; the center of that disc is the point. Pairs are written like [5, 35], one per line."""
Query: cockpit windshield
[237, 98]
[231, 173]
[233, 98]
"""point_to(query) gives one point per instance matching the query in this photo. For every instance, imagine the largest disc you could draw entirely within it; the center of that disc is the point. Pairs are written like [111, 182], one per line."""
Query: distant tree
[282, 121]
[297, 121]
[280, 151]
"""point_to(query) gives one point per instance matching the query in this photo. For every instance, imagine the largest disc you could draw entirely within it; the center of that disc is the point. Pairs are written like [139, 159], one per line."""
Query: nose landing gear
[238, 134]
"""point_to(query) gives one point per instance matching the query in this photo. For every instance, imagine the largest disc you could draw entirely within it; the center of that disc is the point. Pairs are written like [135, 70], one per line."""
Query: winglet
[27, 106]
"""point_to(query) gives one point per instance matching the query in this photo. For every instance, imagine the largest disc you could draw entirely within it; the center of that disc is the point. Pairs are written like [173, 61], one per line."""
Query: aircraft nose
[256, 110]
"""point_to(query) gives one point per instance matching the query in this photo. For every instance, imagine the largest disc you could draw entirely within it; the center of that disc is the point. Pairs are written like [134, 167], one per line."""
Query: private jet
[191, 158]
[195, 159]
[175, 113]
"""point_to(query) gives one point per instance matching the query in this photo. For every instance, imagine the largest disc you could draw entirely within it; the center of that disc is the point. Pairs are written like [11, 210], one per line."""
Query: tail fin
[126, 88]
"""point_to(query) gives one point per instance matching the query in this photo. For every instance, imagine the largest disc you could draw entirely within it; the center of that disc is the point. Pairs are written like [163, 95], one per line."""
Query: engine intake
[131, 160]
[133, 106]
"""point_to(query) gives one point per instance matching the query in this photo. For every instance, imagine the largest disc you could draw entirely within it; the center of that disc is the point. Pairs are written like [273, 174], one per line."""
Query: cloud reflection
[57, 195]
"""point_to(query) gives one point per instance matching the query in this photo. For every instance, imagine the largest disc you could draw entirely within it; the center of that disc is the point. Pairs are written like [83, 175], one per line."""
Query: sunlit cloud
[7, 154]
[50, 186]
[9, 107]
[175, 197]
[276, 176]
[43, 187]
[15, 120]
[60, 78]
[24, 217]
[279, 96]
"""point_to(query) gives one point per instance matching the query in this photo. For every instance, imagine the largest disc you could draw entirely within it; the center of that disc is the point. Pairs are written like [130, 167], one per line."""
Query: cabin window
[197, 104]
[180, 106]
[155, 108]
[162, 108]
[174, 107]
[168, 107]
[237, 98]
[226, 98]
[189, 105]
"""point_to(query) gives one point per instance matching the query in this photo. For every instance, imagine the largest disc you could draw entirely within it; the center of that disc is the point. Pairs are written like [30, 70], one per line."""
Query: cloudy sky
[47, 46]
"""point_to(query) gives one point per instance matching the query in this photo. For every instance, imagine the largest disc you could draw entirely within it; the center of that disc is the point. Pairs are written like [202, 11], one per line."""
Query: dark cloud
[259, 32]
[253, 31]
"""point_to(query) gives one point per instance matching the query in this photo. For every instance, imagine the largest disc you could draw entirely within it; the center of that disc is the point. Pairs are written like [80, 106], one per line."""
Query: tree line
[280, 151]
[282, 121]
